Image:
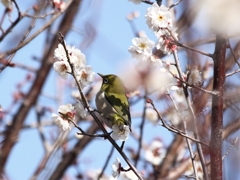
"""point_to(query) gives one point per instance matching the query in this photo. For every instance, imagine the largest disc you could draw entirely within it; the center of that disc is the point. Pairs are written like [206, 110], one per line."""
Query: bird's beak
[100, 74]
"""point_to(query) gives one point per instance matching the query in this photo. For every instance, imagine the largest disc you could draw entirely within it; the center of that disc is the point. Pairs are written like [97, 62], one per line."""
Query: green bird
[112, 102]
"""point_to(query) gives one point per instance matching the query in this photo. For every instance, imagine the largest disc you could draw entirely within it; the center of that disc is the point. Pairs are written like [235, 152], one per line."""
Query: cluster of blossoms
[66, 114]
[159, 20]
[72, 63]
[77, 59]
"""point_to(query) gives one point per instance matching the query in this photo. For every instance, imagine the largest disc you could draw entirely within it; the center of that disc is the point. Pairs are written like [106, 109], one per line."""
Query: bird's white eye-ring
[105, 80]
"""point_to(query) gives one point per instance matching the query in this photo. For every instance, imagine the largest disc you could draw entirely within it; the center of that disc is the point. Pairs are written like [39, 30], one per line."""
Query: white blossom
[195, 77]
[129, 175]
[120, 132]
[60, 122]
[155, 152]
[165, 43]
[75, 94]
[85, 75]
[152, 116]
[65, 112]
[116, 168]
[77, 61]
[80, 109]
[136, 1]
[142, 48]
[63, 68]
[59, 52]
[155, 61]
[7, 3]
[65, 109]
[173, 117]
[158, 17]
[77, 58]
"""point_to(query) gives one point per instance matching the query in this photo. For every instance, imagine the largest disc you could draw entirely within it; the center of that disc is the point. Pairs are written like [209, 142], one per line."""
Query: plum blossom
[77, 61]
[85, 75]
[155, 61]
[60, 122]
[155, 152]
[129, 175]
[65, 112]
[142, 48]
[77, 58]
[165, 43]
[116, 168]
[65, 109]
[152, 116]
[195, 77]
[63, 68]
[158, 17]
[120, 132]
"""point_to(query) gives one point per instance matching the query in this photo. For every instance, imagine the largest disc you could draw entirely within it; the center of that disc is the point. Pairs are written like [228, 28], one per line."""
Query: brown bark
[217, 108]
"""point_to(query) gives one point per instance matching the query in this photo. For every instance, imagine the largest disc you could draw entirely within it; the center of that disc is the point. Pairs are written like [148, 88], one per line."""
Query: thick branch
[217, 108]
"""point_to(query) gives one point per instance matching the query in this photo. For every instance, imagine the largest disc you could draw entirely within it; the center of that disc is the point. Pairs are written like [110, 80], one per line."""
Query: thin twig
[175, 4]
[192, 49]
[232, 73]
[83, 132]
[141, 131]
[172, 129]
[191, 85]
[49, 23]
[23, 38]
[234, 57]
[235, 140]
[39, 16]
[47, 147]
[191, 152]
[147, 2]
[14, 23]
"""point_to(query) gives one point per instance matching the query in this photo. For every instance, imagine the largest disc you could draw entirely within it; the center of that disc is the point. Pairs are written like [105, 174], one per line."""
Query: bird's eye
[105, 80]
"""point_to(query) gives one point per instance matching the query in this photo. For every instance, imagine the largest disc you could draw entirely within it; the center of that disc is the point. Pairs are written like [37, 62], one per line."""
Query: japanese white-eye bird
[112, 102]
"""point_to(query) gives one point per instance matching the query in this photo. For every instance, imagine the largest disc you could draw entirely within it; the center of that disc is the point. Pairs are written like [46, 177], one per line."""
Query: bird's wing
[121, 106]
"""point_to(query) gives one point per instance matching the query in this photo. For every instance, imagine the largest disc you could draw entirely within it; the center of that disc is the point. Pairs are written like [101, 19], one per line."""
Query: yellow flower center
[160, 17]
[143, 45]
